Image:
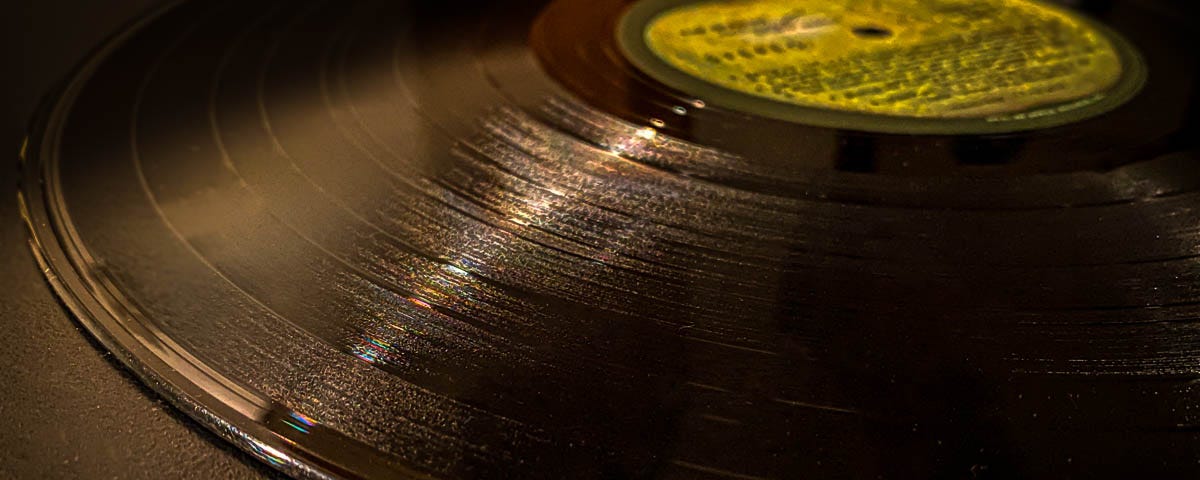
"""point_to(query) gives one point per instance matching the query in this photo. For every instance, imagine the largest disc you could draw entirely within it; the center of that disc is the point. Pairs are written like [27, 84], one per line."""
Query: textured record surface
[379, 239]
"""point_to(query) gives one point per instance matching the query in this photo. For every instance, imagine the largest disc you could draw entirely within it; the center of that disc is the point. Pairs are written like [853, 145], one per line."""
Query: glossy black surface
[376, 239]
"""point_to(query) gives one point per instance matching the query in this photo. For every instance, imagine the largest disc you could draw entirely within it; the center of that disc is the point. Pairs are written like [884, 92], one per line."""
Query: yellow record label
[995, 60]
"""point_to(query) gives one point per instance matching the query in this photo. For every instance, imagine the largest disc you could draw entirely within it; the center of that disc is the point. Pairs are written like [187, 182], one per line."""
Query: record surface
[465, 240]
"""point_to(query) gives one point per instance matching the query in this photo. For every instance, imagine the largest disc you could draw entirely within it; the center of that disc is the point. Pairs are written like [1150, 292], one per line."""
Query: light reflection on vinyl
[454, 240]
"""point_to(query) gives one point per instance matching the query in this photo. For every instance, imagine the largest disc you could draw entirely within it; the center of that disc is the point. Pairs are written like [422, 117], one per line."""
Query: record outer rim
[79, 284]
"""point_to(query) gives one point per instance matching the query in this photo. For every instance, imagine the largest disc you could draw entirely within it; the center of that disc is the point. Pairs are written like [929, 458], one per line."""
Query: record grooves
[393, 239]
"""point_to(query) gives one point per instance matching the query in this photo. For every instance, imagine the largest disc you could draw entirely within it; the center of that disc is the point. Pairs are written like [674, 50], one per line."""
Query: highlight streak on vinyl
[428, 258]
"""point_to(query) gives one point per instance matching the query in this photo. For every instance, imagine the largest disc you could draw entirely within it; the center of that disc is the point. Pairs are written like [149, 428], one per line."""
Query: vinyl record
[458, 239]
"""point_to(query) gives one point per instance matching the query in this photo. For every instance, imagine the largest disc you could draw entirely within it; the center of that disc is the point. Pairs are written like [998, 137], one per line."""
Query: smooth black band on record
[578, 47]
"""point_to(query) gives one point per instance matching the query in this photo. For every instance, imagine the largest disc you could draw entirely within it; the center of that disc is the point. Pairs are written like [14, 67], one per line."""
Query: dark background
[68, 409]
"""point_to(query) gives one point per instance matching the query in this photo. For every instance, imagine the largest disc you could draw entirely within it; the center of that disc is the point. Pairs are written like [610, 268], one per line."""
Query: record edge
[49, 244]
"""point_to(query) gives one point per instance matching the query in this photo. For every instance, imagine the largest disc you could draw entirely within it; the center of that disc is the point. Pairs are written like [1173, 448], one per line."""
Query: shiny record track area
[465, 240]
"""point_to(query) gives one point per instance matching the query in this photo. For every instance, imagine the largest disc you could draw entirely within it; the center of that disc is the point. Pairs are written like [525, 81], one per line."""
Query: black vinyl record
[473, 240]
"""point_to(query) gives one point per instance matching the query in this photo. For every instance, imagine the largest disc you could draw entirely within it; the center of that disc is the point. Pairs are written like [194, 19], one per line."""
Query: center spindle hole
[871, 31]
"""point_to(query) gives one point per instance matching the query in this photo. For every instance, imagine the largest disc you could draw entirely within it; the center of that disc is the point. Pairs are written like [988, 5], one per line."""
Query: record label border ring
[638, 30]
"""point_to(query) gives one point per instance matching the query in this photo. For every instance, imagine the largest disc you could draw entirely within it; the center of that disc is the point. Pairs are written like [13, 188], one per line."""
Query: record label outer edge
[648, 29]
